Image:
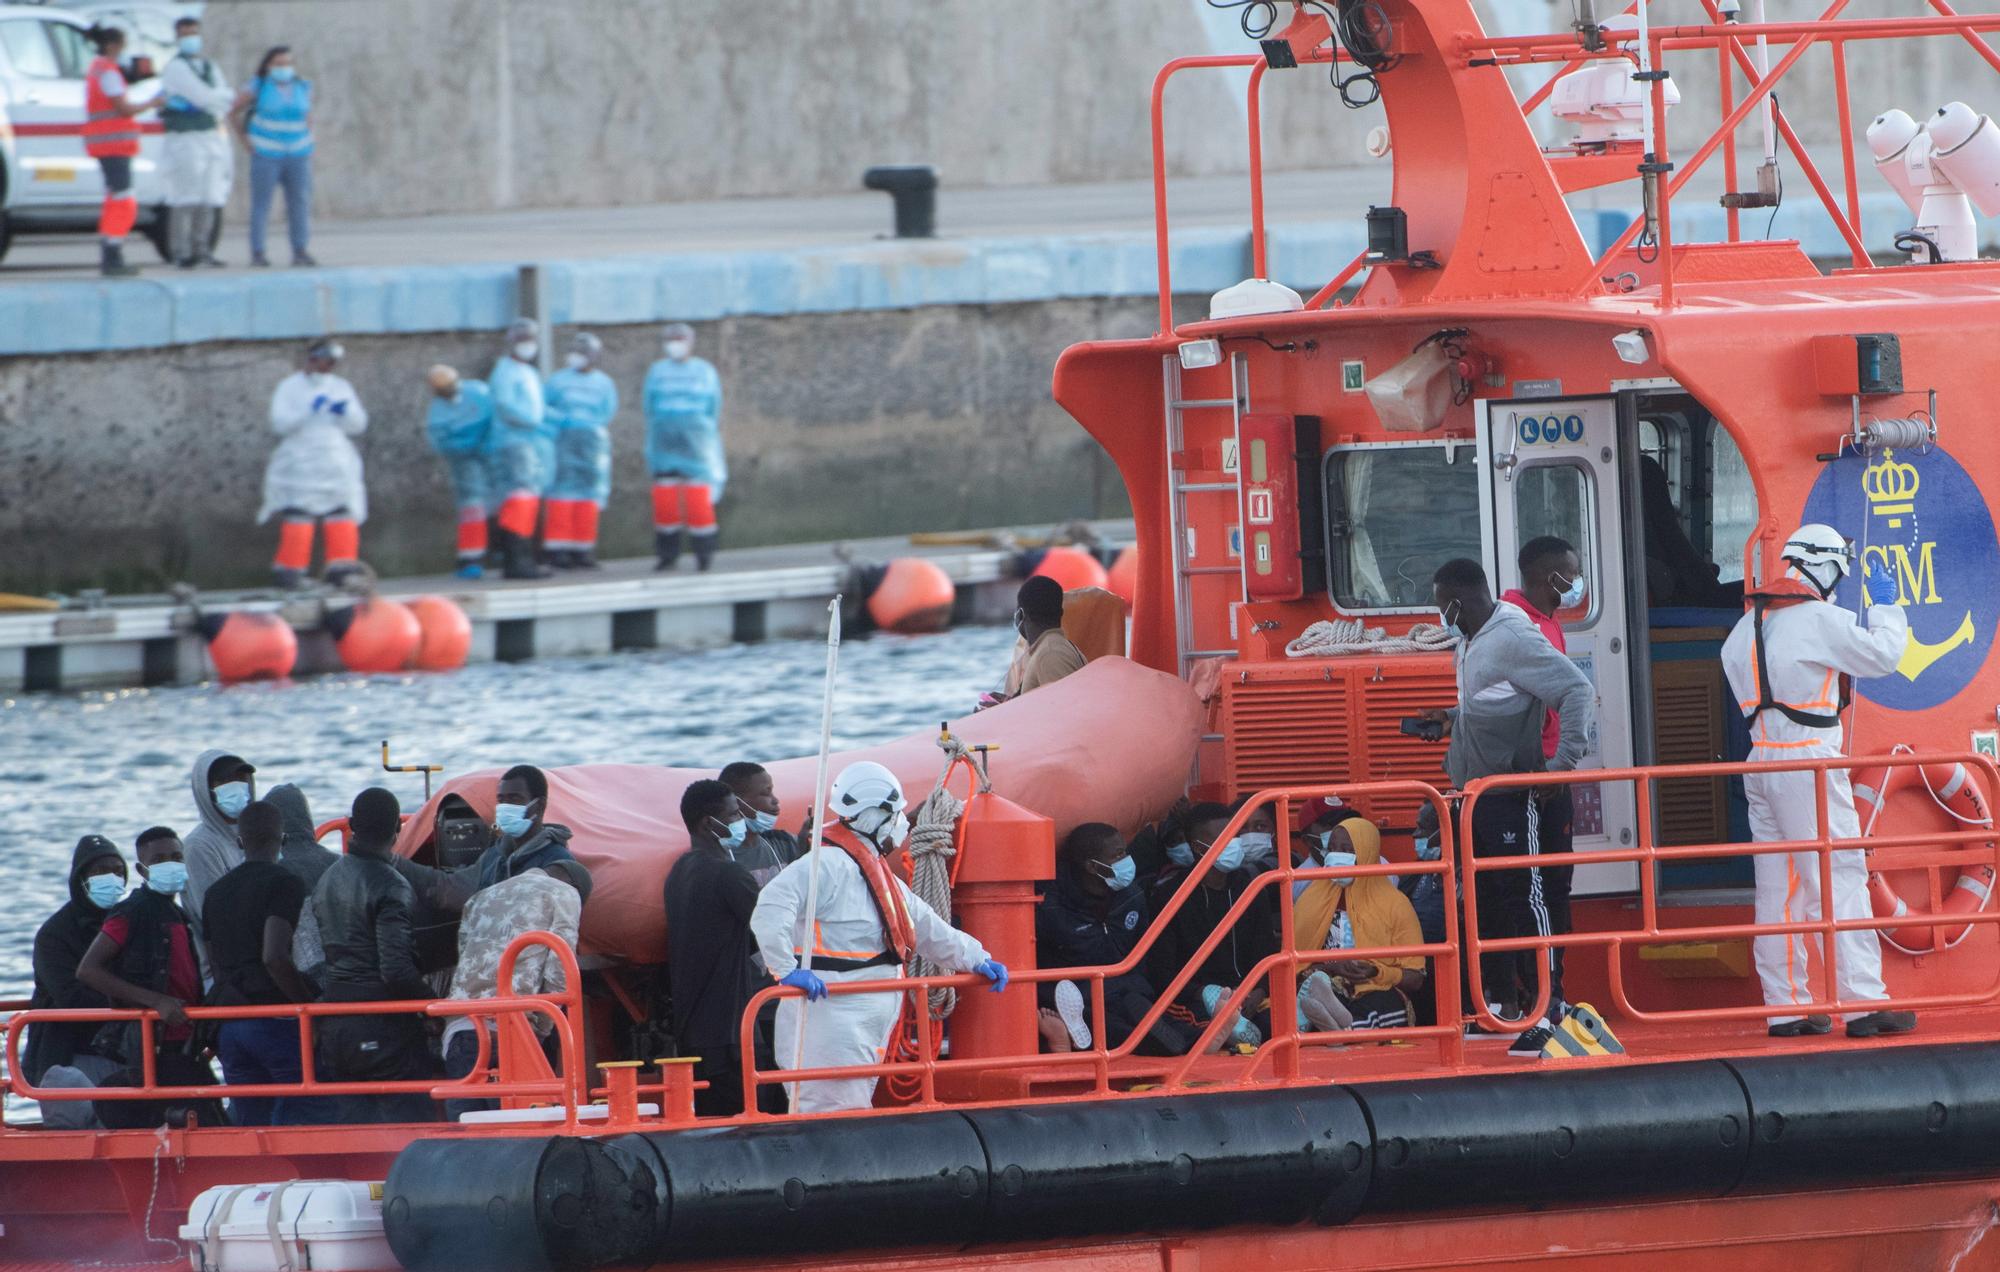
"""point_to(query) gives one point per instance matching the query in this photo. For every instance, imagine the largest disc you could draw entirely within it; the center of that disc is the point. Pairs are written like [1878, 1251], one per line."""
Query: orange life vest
[1782, 595]
[107, 133]
[898, 932]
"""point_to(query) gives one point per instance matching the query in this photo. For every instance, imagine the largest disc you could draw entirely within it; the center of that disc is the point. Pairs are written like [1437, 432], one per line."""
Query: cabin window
[1395, 513]
[1733, 504]
[1560, 500]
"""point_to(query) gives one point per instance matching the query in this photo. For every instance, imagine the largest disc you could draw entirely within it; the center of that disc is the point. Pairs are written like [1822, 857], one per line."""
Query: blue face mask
[1336, 859]
[511, 819]
[1428, 848]
[1258, 849]
[104, 890]
[762, 821]
[1571, 596]
[1180, 854]
[735, 835]
[1231, 857]
[167, 877]
[232, 798]
[1123, 872]
[190, 45]
[1448, 619]
[284, 74]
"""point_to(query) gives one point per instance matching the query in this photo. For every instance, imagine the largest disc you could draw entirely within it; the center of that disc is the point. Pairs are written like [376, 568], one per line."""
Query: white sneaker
[1069, 1005]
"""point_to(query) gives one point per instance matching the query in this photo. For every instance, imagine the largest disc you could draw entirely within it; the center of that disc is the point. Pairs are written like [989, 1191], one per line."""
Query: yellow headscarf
[1380, 913]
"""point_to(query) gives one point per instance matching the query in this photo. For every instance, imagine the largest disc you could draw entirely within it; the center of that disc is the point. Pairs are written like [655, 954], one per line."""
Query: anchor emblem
[1918, 655]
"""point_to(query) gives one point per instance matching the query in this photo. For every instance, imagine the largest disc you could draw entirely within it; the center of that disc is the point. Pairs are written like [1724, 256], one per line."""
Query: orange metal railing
[564, 1009]
[1279, 972]
[1973, 847]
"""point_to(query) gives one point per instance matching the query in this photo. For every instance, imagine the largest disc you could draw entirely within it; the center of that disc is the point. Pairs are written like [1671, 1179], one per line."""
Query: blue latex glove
[1882, 587]
[800, 978]
[319, 403]
[340, 407]
[994, 970]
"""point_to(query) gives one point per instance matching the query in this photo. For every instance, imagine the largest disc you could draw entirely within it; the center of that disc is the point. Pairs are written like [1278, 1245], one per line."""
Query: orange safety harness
[1782, 595]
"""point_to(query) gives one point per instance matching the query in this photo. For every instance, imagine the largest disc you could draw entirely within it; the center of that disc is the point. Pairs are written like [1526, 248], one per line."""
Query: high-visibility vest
[107, 134]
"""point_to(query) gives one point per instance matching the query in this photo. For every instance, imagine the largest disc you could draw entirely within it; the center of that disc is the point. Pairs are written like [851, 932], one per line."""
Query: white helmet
[1821, 554]
[868, 798]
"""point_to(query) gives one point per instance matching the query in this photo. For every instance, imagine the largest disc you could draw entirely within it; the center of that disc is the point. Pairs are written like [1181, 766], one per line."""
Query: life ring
[1952, 788]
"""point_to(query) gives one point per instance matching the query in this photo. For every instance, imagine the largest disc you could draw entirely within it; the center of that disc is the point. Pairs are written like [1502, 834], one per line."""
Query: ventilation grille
[1687, 729]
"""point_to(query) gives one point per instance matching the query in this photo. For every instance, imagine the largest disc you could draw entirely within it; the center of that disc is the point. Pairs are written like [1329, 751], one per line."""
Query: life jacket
[1784, 594]
[898, 932]
[107, 134]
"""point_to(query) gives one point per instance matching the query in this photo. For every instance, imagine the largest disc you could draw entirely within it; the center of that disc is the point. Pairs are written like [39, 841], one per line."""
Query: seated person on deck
[1092, 915]
[1252, 938]
[96, 884]
[526, 842]
[1259, 836]
[1043, 655]
[1355, 913]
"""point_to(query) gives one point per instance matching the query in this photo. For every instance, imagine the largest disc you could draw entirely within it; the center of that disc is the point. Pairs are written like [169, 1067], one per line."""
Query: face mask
[1428, 848]
[512, 819]
[761, 821]
[1181, 855]
[284, 74]
[1448, 618]
[1337, 859]
[167, 877]
[1231, 858]
[232, 797]
[1119, 874]
[733, 837]
[678, 348]
[1020, 624]
[1258, 848]
[1571, 596]
[526, 350]
[104, 891]
[190, 45]
[576, 361]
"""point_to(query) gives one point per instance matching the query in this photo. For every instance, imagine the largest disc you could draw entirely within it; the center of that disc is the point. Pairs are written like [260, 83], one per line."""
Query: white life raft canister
[328, 1225]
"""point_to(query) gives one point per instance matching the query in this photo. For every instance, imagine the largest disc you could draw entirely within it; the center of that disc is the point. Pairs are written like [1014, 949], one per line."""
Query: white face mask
[678, 348]
[526, 350]
[576, 361]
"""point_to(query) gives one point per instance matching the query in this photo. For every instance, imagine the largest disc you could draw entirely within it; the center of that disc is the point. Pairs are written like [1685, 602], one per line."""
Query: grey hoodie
[212, 850]
[1508, 677]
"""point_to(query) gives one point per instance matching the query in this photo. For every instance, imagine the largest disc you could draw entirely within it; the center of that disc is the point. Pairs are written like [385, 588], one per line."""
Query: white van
[48, 184]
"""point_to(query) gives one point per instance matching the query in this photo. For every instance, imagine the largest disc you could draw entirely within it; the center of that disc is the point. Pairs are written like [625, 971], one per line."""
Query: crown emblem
[1891, 488]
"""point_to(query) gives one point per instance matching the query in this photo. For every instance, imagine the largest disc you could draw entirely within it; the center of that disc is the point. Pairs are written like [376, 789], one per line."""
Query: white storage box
[327, 1225]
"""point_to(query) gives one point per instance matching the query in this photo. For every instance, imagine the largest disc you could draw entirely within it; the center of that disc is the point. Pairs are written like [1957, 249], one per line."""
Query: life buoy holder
[1952, 788]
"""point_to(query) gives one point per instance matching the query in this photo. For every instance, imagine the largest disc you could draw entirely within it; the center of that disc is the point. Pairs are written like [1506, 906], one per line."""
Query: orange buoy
[914, 595]
[377, 634]
[1071, 567]
[250, 645]
[446, 634]
[1122, 579]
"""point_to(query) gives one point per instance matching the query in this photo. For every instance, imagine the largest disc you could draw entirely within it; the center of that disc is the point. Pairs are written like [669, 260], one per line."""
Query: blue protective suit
[580, 407]
[683, 422]
[521, 447]
[460, 430]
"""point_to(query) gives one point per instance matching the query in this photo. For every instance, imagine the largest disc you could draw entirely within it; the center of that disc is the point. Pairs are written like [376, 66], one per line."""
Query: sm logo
[1920, 519]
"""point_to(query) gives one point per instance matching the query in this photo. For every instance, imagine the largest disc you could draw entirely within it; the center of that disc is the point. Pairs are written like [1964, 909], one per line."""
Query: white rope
[1330, 638]
[931, 851]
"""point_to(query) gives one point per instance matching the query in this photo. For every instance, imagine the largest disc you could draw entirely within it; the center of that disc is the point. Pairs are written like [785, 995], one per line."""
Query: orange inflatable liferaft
[1955, 791]
[1071, 567]
[1123, 576]
[1111, 743]
[377, 634]
[249, 645]
[445, 634]
[914, 595]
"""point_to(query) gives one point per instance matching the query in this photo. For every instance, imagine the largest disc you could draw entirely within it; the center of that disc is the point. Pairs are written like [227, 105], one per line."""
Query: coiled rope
[1330, 638]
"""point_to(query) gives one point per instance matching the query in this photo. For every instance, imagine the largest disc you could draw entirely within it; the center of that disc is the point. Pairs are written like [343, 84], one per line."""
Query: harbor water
[115, 763]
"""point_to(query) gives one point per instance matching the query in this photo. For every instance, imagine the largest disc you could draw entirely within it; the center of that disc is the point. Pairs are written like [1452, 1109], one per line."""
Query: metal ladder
[1179, 533]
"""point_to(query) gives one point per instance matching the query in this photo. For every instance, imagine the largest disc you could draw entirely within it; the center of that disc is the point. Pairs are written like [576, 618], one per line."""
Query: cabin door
[1551, 469]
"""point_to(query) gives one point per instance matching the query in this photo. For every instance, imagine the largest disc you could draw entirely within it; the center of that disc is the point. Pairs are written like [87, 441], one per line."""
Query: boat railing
[1974, 845]
[563, 1009]
[1278, 973]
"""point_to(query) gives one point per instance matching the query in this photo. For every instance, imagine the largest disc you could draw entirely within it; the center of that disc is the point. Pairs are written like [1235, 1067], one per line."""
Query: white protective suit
[844, 1029]
[1808, 645]
[198, 165]
[315, 469]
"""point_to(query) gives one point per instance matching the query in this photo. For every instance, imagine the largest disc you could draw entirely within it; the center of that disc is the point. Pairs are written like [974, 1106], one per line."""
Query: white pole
[1770, 100]
[818, 823]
